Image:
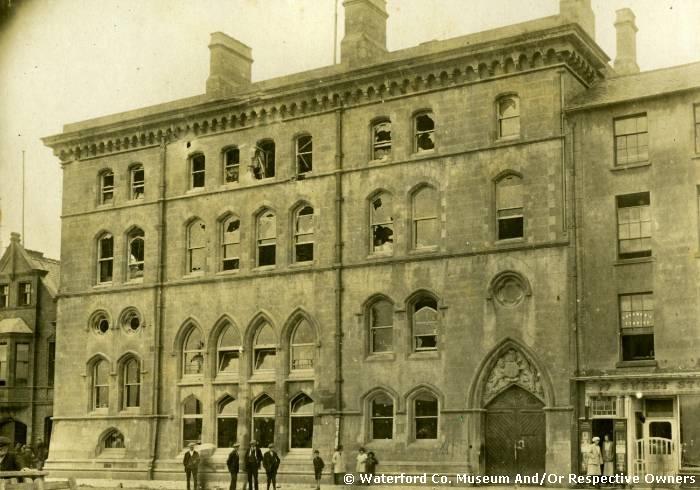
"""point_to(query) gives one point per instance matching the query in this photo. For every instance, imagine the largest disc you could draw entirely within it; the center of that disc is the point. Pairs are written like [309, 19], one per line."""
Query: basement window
[264, 160]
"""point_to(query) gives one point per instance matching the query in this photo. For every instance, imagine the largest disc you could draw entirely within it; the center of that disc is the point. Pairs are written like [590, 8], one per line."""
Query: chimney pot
[626, 30]
[230, 63]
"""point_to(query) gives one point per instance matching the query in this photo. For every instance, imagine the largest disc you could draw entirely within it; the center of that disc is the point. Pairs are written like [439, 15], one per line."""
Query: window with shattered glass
[425, 132]
[267, 239]
[304, 235]
[231, 165]
[264, 160]
[509, 203]
[509, 117]
[136, 254]
[304, 154]
[231, 244]
[137, 182]
[107, 187]
[265, 349]
[105, 260]
[196, 246]
[425, 322]
[381, 140]
[382, 224]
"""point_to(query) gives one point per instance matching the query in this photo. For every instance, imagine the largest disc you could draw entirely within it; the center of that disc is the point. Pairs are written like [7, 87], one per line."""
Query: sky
[63, 61]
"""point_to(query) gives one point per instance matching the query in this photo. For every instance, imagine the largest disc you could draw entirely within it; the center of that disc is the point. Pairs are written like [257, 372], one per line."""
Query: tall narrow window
[4, 295]
[264, 421]
[131, 389]
[631, 139]
[106, 187]
[191, 421]
[100, 384]
[137, 181]
[264, 160]
[301, 422]
[21, 364]
[302, 355]
[425, 132]
[197, 171]
[425, 414]
[25, 294]
[4, 359]
[425, 218]
[136, 253]
[304, 149]
[105, 258]
[381, 327]
[304, 234]
[697, 127]
[229, 351]
[381, 140]
[634, 225]
[265, 349]
[382, 223]
[267, 238]
[51, 362]
[227, 422]
[509, 117]
[509, 207]
[425, 324]
[196, 246]
[637, 326]
[231, 244]
[382, 417]
[231, 165]
[193, 353]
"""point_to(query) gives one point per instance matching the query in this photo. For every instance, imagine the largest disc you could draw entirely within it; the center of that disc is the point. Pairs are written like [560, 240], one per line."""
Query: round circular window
[101, 324]
[131, 321]
[510, 289]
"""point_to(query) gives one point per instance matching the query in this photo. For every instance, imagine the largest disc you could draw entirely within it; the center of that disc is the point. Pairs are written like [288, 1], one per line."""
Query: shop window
[267, 238]
[425, 132]
[138, 181]
[264, 421]
[381, 327]
[631, 139]
[510, 219]
[229, 351]
[265, 349]
[382, 417]
[690, 430]
[105, 258]
[303, 346]
[381, 140]
[231, 244]
[100, 384]
[136, 244]
[107, 187]
[425, 414]
[425, 324]
[25, 294]
[425, 218]
[231, 165]
[304, 151]
[508, 116]
[191, 421]
[382, 223]
[304, 235]
[197, 171]
[604, 406]
[196, 246]
[227, 422]
[131, 384]
[4, 295]
[301, 422]
[634, 225]
[21, 364]
[264, 160]
[193, 352]
[637, 326]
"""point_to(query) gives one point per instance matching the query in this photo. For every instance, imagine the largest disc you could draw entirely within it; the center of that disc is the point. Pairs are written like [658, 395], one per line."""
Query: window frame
[420, 297]
[383, 145]
[301, 153]
[264, 347]
[371, 328]
[309, 236]
[24, 293]
[271, 242]
[220, 406]
[261, 165]
[237, 349]
[418, 134]
[128, 384]
[293, 403]
[375, 224]
[640, 159]
[186, 353]
[509, 213]
[102, 259]
[373, 417]
[696, 117]
[196, 416]
[255, 416]
[415, 219]
[227, 240]
[5, 346]
[500, 118]
[191, 250]
[641, 330]
[4, 296]
[134, 185]
[415, 418]
[131, 262]
[293, 344]
[96, 387]
[22, 363]
[234, 167]
[637, 254]
[105, 188]
[194, 174]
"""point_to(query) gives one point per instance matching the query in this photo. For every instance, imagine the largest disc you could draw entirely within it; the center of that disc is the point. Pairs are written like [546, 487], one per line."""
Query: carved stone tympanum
[512, 367]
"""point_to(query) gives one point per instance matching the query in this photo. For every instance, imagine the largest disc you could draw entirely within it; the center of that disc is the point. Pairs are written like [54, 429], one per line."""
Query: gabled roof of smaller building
[14, 325]
[18, 259]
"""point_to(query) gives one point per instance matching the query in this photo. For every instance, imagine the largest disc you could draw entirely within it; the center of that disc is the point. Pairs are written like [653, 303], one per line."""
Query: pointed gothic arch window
[227, 422]
[136, 247]
[265, 349]
[193, 352]
[425, 320]
[304, 234]
[231, 243]
[105, 258]
[229, 351]
[113, 440]
[191, 421]
[302, 346]
[264, 421]
[301, 422]
[381, 408]
[381, 223]
[196, 246]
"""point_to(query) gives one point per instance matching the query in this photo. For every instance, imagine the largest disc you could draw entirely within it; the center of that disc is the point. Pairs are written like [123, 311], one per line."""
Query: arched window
[381, 327]
[100, 384]
[264, 159]
[267, 238]
[301, 422]
[264, 421]
[381, 140]
[425, 324]
[105, 258]
[231, 244]
[136, 254]
[131, 321]
[265, 349]
[229, 351]
[382, 417]
[304, 150]
[196, 246]
[231, 165]
[425, 132]
[197, 171]
[106, 187]
[510, 219]
[100, 323]
[227, 422]
[137, 180]
[193, 353]
[508, 116]
[382, 223]
[426, 232]
[304, 234]
[425, 415]
[131, 387]
[302, 355]
[191, 421]
[113, 440]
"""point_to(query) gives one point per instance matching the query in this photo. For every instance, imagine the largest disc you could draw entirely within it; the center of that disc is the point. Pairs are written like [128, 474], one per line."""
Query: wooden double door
[515, 434]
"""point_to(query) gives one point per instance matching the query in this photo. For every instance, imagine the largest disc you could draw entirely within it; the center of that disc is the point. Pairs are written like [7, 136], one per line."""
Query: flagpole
[335, 34]
[24, 237]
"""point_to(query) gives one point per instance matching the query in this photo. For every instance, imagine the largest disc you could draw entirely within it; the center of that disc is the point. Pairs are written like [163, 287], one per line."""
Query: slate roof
[53, 267]
[14, 325]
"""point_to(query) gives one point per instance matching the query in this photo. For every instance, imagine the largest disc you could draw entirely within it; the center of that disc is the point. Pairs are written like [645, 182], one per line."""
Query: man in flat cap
[191, 464]
[253, 458]
[233, 462]
[271, 462]
[7, 459]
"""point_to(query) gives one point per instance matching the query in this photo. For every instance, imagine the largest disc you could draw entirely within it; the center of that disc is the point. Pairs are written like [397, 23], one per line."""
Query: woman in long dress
[593, 458]
[608, 456]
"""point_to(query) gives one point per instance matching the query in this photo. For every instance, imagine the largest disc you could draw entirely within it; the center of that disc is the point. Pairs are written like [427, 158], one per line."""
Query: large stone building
[378, 253]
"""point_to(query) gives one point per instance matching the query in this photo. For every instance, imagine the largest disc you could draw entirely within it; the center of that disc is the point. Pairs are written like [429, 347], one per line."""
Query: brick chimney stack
[365, 32]
[230, 63]
[626, 29]
[578, 12]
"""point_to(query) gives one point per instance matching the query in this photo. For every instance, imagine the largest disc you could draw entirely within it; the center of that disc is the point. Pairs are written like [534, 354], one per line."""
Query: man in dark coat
[7, 459]
[253, 458]
[191, 463]
[233, 462]
[271, 462]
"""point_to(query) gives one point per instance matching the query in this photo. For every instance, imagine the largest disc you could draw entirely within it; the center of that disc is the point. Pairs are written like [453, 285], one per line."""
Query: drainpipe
[338, 266]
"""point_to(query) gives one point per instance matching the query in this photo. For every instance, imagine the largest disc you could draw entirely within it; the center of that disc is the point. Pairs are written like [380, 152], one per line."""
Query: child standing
[318, 468]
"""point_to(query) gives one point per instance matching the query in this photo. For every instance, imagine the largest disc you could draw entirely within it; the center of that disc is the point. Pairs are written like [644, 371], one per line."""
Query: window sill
[510, 241]
[192, 275]
[507, 139]
[379, 255]
[422, 153]
[264, 268]
[302, 374]
[195, 190]
[264, 377]
[112, 453]
[105, 205]
[640, 363]
[424, 443]
[135, 200]
[103, 285]
[381, 357]
[99, 411]
[630, 166]
[424, 250]
[135, 281]
[637, 260]
[225, 379]
[426, 354]
[229, 272]
[301, 265]
[379, 160]
[193, 381]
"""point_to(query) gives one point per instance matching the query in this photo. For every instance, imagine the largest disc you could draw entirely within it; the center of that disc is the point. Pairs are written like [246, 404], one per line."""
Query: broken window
[100, 323]
[100, 384]
[231, 165]
[21, 364]
[381, 140]
[265, 349]
[107, 187]
[264, 421]
[229, 350]
[509, 116]
[25, 294]
[304, 235]
[196, 246]
[198, 171]
[191, 421]
[264, 160]
[304, 154]
[227, 422]
[230, 244]
[382, 417]
[136, 253]
[509, 207]
[425, 132]
[301, 422]
[381, 327]
[303, 345]
[425, 218]
[637, 326]
[425, 324]
[425, 414]
[631, 139]
[382, 223]
[193, 352]
[131, 388]
[267, 238]
[137, 182]
[4, 295]
[634, 225]
[105, 258]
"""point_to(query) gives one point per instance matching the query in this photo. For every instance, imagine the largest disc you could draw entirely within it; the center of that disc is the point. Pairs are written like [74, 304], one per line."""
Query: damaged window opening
[303, 346]
[113, 440]
[425, 218]
[100, 324]
[637, 326]
[265, 351]
[267, 239]
[425, 132]
[136, 254]
[193, 353]
[509, 208]
[105, 258]
[382, 223]
[634, 226]
[381, 327]
[304, 235]
[107, 187]
[231, 244]
[264, 160]
[198, 170]
[381, 140]
[304, 154]
[25, 294]
[137, 182]
[231, 165]
[425, 321]
[196, 246]
[509, 117]
[229, 352]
